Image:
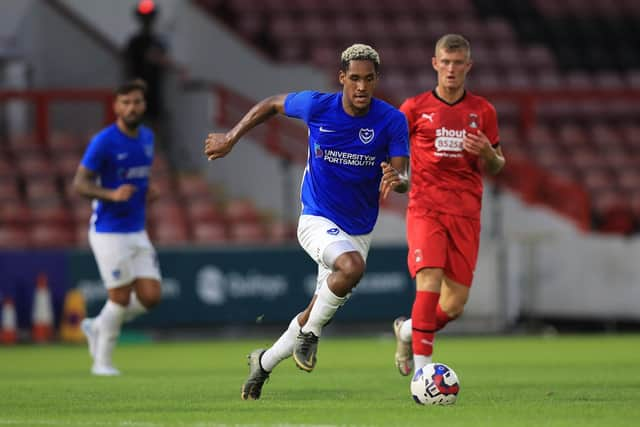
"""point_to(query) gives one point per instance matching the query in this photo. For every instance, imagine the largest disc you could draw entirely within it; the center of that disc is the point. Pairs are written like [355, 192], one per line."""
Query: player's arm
[84, 182]
[479, 144]
[220, 144]
[394, 176]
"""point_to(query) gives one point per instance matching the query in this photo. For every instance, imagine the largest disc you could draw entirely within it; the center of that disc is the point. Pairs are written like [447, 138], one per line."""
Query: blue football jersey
[342, 179]
[120, 159]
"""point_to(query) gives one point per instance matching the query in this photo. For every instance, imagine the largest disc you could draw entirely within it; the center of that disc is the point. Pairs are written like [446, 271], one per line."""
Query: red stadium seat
[36, 165]
[170, 233]
[202, 210]
[281, 231]
[241, 211]
[51, 236]
[169, 210]
[53, 214]
[613, 212]
[248, 232]
[13, 237]
[192, 187]
[9, 191]
[42, 191]
[15, 214]
[65, 142]
[209, 232]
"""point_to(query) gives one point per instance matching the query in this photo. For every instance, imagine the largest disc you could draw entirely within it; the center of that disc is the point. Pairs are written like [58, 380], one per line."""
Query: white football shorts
[316, 234]
[124, 257]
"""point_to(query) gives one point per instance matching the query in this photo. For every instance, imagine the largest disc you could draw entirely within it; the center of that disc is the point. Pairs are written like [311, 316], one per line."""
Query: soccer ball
[435, 384]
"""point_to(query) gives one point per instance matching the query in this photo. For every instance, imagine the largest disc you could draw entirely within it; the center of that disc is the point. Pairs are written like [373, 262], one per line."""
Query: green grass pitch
[580, 381]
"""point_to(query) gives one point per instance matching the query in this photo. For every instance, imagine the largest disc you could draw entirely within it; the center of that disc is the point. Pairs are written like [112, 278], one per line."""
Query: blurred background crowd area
[564, 77]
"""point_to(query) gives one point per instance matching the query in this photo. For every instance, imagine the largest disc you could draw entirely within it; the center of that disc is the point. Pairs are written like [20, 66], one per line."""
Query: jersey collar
[450, 104]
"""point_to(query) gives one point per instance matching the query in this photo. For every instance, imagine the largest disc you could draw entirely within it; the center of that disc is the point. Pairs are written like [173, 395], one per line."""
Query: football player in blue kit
[114, 172]
[358, 153]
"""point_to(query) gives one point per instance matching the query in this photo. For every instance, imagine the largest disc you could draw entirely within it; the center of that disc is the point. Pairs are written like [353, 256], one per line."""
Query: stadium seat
[45, 235]
[241, 211]
[53, 214]
[166, 210]
[66, 163]
[202, 210]
[613, 213]
[209, 232]
[36, 166]
[170, 232]
[15, 214]
[9, 191]
[13, 237]
[281, 231]
[65, 142]
[192, 187]
[247, 232]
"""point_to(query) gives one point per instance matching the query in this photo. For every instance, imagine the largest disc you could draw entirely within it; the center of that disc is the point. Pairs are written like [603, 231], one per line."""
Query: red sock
[442, 318]
[423, 322]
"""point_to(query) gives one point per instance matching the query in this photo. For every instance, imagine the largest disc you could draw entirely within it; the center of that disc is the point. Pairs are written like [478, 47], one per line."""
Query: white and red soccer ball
[435, 384]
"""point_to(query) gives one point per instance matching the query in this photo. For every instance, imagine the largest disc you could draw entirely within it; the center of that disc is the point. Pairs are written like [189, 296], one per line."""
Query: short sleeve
[407, 109]
[94, 155]
[399, 132]
[491, 125]
[298, 104]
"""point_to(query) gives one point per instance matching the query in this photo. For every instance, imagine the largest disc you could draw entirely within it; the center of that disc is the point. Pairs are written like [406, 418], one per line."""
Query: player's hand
[123, 193]
[477, 144]
[391, 179]
[217, 145]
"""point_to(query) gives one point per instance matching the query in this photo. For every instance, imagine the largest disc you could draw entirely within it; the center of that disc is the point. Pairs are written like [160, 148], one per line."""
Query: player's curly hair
[453, 42]
[360, 52]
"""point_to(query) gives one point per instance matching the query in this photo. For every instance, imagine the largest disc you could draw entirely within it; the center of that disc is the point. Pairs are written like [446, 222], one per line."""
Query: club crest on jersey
[333, 231]
[318, 151]
[148, 150]
[366, 135]
[473, 120]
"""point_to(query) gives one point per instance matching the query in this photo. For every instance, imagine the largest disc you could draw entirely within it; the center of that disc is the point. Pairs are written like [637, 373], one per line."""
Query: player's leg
[341, 260]
[462, 255]
[147, 289]
[453, 298]
[113, 252]
[423, 315]
[427, 239]
[262, 362]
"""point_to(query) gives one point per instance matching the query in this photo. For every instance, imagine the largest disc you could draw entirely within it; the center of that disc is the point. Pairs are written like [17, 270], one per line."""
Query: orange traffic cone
[72, 314]
[9, 323]
[42, 314]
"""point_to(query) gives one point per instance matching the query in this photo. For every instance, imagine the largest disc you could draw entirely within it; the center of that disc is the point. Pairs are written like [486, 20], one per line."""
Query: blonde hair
[359, 52]
[453, 42]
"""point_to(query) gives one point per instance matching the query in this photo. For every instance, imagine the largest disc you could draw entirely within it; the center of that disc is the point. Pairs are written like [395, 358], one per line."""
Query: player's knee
[352, 267]
[149, 296]
[454, 310]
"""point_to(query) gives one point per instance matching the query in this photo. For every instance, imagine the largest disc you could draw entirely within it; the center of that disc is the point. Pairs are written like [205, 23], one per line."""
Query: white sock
[420, 361]
[109, 322]
[405, 331]
[282, 348]
[323, 310]
[134, 309]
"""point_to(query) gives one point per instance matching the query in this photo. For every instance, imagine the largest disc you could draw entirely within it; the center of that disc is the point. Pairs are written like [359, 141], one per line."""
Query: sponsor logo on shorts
[333, 231]
[116, 274]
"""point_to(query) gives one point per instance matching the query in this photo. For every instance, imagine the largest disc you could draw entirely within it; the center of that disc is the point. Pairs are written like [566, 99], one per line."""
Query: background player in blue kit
[115, 173]
[358, 152]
